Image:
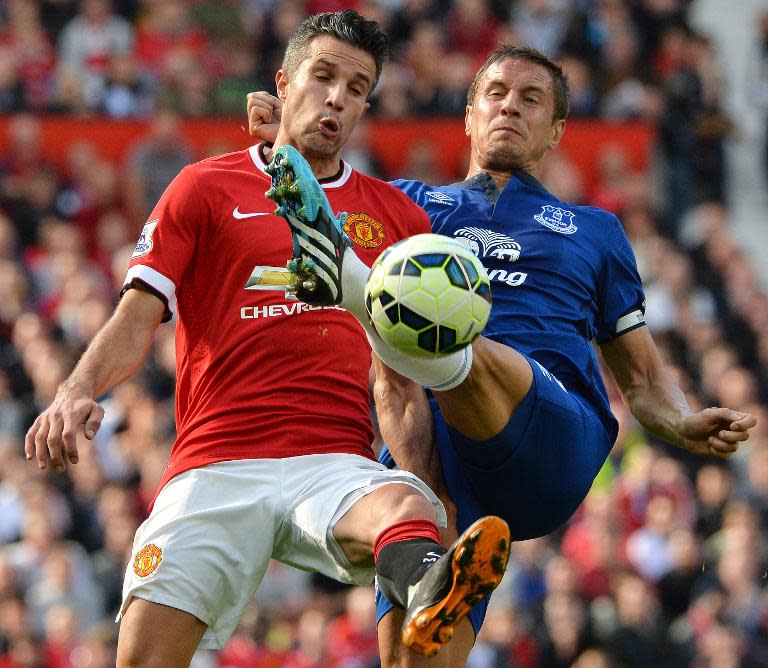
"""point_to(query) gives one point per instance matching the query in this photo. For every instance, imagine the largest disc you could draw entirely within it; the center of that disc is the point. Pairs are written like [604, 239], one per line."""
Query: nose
[335, 97]
[511, 104]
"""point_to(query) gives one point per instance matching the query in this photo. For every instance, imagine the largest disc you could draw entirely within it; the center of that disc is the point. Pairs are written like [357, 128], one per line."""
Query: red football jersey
[257, 374]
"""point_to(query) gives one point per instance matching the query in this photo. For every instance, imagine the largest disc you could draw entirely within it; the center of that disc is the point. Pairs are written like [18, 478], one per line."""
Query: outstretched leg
[326, 270]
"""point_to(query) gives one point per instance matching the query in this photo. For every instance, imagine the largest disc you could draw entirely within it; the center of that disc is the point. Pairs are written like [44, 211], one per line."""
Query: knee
[358, 529]
[408, 504]
[140, 655]
[398, 503]
[133, 653]
[130, 656]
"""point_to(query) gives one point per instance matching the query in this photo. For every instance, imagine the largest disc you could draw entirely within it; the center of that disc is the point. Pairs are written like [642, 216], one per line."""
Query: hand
[715, 431]
[53, 433]
[264, 112]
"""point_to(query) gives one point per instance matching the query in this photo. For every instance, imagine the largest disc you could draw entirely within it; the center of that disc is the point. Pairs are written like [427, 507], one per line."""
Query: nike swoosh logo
[236, 213]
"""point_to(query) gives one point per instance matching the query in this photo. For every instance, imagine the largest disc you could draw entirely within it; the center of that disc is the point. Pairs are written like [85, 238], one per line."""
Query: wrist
[76, 386]
[680, 427]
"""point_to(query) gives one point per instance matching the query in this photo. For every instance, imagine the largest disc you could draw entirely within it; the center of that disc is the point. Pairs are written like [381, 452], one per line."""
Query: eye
[322, 76]
[495, 94]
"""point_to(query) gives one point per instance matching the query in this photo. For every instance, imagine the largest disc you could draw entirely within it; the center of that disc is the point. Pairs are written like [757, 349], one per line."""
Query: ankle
[354, 276]
[403, 553]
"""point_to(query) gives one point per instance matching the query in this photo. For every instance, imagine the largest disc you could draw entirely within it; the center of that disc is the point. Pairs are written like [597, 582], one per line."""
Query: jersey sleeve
[167, 243]
[418, 220]
[620, 297]
[415, 190]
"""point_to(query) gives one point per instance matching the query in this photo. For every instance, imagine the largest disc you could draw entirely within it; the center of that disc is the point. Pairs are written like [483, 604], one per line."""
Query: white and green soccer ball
[428, 295]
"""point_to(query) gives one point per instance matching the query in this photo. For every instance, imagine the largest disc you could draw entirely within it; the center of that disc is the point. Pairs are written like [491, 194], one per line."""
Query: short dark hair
[512, 52]
[346, 26]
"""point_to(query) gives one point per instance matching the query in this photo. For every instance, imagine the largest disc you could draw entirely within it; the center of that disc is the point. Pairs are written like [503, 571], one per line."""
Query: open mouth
[329, 127]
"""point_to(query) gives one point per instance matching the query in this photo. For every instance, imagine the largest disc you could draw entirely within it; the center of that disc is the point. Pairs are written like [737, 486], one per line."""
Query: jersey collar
[336, 181]
[484, 182]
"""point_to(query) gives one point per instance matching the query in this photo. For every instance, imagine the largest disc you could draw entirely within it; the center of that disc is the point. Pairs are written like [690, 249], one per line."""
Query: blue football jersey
[562, 276]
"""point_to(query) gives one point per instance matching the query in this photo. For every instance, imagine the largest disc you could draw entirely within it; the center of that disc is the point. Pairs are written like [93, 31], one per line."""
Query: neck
[322, 168]
[501, 176]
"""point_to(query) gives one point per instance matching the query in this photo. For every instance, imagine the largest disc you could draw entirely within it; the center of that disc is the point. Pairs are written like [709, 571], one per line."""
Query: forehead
[339, 54]
[518, 73]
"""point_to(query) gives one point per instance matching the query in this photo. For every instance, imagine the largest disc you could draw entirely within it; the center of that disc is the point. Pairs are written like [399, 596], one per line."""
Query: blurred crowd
[126, 58]
[665, 565]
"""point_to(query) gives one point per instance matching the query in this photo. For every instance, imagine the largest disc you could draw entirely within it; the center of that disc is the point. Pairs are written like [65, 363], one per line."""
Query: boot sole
[478, 564]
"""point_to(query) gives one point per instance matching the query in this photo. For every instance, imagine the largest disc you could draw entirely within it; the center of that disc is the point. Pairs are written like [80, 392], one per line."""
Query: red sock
[405, 530]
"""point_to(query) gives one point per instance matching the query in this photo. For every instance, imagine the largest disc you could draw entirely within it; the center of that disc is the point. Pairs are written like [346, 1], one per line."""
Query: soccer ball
[428, 295]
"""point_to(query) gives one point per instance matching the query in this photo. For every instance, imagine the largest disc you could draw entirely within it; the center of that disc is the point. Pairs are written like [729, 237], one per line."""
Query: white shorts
[212, 531]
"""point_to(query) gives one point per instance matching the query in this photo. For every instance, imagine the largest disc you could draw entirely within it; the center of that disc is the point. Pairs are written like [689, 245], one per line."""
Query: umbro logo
[439, 198]
[237, 214]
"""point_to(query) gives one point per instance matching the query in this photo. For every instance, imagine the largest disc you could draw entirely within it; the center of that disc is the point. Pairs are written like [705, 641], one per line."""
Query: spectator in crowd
[637, 635]
[693, 127]
[166, 29]
[89, 41]
[11, 87]
[21, 167]
[32, 55]
[128, 90]
[154, 162]
[542, 24]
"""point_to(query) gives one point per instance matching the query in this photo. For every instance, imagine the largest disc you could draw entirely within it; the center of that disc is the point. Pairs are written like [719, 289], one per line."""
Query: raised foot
[470, 570]
[317, 234]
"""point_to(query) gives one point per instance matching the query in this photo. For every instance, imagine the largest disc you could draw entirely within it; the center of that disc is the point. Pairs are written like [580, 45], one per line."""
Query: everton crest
[556, 219]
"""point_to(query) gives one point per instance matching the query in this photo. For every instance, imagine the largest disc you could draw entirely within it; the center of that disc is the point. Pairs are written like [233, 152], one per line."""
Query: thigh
[498, 381]
[395, 655]
[157, 635]
[537, 470]
[320, 490]
[207, 543]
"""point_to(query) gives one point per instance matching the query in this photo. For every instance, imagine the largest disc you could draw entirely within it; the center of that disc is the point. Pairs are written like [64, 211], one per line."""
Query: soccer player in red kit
[273, 452]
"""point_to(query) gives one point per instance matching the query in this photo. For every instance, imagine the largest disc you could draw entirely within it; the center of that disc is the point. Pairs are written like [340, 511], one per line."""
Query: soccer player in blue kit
[520, 421]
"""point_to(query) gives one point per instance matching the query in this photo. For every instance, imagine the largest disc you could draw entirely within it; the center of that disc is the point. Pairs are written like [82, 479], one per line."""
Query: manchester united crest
[147, 559]
[364, 230]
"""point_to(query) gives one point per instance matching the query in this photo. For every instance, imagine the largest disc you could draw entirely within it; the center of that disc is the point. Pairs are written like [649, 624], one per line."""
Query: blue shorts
[534, 474]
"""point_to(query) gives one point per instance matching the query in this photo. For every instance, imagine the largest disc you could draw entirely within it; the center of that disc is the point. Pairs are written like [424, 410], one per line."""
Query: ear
[366, 107]
[281, 83]
[468, 120]
[557, 133]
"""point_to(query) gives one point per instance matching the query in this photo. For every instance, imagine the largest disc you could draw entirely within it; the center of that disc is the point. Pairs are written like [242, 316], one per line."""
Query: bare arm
[659, 404]
[115, 353]
[407, 427]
